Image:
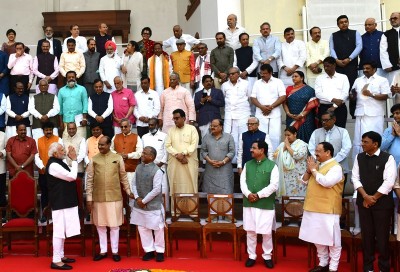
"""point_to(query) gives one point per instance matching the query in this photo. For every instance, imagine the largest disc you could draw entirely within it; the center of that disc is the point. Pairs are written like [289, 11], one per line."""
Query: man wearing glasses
[247, 139]
[237, 106]
[390, 50]
[129, 146]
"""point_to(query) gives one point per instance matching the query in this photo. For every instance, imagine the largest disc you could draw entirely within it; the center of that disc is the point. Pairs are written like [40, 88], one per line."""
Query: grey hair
[152, 150]
[177, 76]
[44, 80]
[126, 120]
[253, 117]
[53, 149]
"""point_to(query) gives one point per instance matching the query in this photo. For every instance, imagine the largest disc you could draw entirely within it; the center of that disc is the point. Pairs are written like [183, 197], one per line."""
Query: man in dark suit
[208, 103]
[55, 45]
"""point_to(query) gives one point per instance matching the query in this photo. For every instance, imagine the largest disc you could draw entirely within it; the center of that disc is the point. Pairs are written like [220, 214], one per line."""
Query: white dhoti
[272, 127]
[65, 224]
[324, 231]
[364, 124]
[259, 221]
[147, 222]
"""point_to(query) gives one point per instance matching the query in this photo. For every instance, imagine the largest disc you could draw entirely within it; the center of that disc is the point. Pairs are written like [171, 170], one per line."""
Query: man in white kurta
[237, 107]
[181, 145]
[110, 67]
[317, 51]
[372, 93]
[323, 207]
[293, 56]
[258, 202]
[267, 95]
[147, 209]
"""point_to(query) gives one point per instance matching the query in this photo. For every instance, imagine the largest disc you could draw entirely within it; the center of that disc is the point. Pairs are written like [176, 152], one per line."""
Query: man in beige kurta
[181, 145]
[105, 172]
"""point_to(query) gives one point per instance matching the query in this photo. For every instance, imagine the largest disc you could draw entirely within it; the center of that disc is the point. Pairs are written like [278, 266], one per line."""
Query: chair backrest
[346, 213]
[220, 205]
[186, 204]
[292, 208]
[22, 194]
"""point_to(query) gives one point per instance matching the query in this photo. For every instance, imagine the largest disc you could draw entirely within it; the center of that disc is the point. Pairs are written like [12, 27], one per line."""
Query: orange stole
[43, 148]
[127, 144]
[165, 71]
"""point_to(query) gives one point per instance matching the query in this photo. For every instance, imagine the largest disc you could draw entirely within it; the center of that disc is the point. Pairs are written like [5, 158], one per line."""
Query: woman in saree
[300, 107]
[291, 159]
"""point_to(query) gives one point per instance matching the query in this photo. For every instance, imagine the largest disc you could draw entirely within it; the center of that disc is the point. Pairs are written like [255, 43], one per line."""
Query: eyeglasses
[146, 33]
[325, 120]
[124, 126]
[231, 74]
[393, 18]
[252, 124]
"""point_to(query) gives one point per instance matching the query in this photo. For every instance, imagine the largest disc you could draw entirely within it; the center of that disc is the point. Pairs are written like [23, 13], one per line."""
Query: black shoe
[43, 219]
[116, 257]
[68, 260]
[250, 262]
[159, 257]
[99, 257]
[3, 220]
[148, 256]
[320, 269]
[269, 264]
[63, 267]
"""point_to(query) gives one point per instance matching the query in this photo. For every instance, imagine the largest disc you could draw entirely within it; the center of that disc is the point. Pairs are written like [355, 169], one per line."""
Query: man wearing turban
[110, 66]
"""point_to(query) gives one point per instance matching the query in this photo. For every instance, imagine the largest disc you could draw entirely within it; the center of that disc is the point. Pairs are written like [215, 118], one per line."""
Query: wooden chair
[22, 203]
[82, 214]
[292, 212]
[346, 237]
[241, 234]
[186, 206]
[138, 242]
[125, 227]
[220, 206]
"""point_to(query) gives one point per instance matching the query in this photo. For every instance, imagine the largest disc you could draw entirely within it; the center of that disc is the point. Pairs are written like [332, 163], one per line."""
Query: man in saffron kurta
[175, 97]
[104, 198]
[182, 62]
[259, 181]
[181, 144]
[323, 207]
[41, 158]
[92, 143]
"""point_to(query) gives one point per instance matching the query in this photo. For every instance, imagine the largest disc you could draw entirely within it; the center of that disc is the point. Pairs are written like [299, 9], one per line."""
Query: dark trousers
[3, 191]
[375, 228]
[142, 131]
[352, 73]
[44, 195]
[340, 113]
[19, 78]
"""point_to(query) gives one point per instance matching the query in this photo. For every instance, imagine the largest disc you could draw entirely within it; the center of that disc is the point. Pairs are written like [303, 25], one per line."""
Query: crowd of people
[137, 117]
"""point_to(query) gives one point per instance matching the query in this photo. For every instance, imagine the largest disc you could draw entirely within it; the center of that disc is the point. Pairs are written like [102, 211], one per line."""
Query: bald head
[370, 25]
[395, 19]
[177, 31]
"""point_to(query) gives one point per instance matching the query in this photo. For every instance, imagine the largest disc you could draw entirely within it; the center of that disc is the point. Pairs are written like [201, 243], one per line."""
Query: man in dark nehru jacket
[63, 199]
